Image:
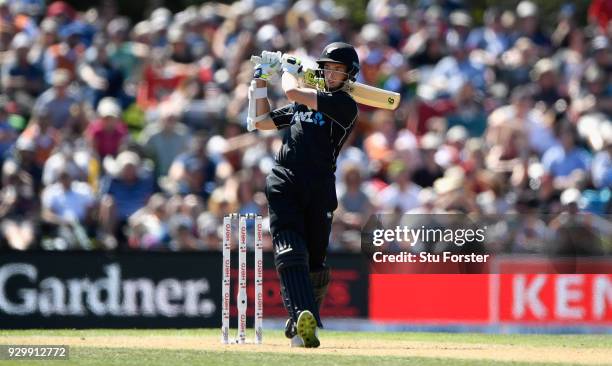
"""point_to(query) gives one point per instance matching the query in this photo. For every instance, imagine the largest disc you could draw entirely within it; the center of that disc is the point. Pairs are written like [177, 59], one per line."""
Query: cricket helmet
[342, 53]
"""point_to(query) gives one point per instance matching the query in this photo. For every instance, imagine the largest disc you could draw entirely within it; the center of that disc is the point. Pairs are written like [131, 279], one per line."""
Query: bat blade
[374, 97]
[363, 94]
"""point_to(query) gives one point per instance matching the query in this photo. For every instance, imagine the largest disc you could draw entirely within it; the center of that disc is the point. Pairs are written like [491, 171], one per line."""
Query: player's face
[335, 74]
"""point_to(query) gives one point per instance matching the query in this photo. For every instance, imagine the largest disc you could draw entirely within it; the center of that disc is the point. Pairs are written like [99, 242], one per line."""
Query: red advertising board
[509, 298]
[430, 298]
[556, 298]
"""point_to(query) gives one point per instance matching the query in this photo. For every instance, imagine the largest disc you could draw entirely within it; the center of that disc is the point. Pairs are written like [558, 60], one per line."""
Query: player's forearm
[289, 82]
[262, 106]
[266, 124]
[296, 94]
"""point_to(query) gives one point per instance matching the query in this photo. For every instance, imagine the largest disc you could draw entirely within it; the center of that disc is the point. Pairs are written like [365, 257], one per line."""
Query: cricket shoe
[307, 329]
[290, 330]
[291, 333]
[296, 342]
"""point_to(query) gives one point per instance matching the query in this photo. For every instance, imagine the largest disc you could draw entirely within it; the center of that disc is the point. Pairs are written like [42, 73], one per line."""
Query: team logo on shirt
[309, 117]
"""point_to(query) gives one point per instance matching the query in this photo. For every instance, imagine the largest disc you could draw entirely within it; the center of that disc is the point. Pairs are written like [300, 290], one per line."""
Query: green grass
[536, 340]
[234, 355]
[127, 357]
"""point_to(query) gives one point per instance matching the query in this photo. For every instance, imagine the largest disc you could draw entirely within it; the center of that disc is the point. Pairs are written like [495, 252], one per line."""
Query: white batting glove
[267, 66]
[292, 65]
[271, 58]
[267, 72]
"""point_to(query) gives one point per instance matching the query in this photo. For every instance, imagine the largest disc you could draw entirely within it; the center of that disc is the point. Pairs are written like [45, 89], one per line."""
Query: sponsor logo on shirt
[309, 117]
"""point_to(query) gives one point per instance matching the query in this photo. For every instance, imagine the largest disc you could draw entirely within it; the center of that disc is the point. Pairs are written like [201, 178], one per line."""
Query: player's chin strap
[254, 94]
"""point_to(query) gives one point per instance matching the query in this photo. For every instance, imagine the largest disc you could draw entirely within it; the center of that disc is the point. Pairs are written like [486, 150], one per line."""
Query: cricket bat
[361, 93]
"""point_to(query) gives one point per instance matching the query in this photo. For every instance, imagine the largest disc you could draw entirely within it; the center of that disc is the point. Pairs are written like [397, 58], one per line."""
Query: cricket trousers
[303, 203]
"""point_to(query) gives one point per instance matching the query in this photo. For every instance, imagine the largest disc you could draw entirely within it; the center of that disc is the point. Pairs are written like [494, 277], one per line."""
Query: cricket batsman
[301, 187]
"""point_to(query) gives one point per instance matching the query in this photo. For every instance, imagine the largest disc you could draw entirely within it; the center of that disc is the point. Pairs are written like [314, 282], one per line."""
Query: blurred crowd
[130, 135]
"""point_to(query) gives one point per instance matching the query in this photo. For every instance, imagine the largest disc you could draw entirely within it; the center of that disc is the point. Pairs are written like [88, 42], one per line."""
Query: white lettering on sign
[568, 290]
[527, 296]
[602, 296]
[108, 295]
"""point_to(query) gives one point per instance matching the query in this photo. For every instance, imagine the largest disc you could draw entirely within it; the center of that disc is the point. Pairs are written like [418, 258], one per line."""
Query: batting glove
[292, 65]
[267, 66]
[267, 72]
[271, 58]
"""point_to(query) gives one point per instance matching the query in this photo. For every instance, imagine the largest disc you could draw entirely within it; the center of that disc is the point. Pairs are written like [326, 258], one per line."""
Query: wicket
[241, 299]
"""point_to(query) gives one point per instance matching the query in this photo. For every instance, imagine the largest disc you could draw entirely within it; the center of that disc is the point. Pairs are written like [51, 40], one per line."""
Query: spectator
[430, 170]
[594, 94]
[379, 145]
[102, 79]
[458, 68]
[452, 194]
[602, 163]
[66, 54]
[8, 134]
[354, 206]
[567, 163]
[531, 235]
[424, 48]
[528, 25]
[504, 157]
[149, 229]
[47, 36]
[515, 64]
[460, 22]
[183, 239]
[24, 156]
[191, 172]
[127, 55]
[18, 207]
[59, 102]
[402, 194]
[577, 234]
[63, 157]
[469, 111]
[124, 191]
[157, 80]
[492, 38]
[600, 48]
[572, 60]
[565, 27]
[108, 132]
[165, 139]
[179, 50]
[67, 207]
[547, 81]
[42, 135]
[520, 116]
[20, 74]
